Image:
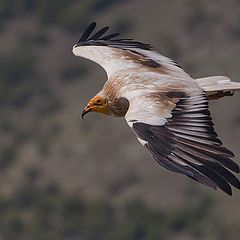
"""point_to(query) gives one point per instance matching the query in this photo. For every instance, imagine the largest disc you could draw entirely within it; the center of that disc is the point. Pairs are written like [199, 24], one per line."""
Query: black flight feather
[87, 32]
[188, 144]
[98, 39]
[98, 34]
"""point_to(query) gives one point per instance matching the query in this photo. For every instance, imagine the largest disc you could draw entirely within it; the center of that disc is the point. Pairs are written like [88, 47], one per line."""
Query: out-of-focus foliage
[43, 212]
[71, 14]
[16, 73]
[88, 180]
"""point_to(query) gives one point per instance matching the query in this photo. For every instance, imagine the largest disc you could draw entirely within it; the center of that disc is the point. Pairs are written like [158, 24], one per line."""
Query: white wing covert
[116, 54]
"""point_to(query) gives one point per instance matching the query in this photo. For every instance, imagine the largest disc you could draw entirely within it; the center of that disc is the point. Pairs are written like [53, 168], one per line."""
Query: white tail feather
[217, 83]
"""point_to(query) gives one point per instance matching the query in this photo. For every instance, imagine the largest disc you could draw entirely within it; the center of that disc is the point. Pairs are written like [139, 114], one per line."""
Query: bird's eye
[99, 101]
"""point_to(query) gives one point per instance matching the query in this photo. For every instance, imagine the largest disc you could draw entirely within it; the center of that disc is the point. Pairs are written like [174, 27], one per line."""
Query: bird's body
[165, 107]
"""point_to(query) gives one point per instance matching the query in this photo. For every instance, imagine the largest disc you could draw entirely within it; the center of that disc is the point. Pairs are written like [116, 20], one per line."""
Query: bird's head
[117, 107]
[96, 104]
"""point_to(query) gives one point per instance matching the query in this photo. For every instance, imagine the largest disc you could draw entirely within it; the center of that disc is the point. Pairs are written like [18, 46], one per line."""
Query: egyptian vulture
[165, 107]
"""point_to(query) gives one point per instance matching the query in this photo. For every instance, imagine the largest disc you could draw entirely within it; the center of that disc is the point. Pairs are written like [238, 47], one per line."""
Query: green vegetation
[71, 14]
[16, 73]
[7, 155]
[38, 38]
[40, 81]
[43, 212]
[73, 72]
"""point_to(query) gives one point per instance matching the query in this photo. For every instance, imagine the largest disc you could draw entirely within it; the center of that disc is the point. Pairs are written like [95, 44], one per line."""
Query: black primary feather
[110, 36]
[98, 34]
[98, 39]
[87, 32]
[188, 144]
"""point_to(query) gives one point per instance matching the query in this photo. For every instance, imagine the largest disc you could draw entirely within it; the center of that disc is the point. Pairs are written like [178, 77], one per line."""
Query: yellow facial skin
[96, 104]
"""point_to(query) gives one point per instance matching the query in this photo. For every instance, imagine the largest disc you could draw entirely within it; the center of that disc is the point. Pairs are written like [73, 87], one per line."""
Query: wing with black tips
[187, 143]
[101, 39]
[114, 53]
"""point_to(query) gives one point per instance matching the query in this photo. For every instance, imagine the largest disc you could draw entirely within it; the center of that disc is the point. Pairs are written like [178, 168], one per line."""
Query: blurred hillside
[64, 178]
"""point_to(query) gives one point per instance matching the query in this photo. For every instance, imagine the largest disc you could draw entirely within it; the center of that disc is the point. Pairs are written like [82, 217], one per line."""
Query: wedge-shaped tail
[218, 86]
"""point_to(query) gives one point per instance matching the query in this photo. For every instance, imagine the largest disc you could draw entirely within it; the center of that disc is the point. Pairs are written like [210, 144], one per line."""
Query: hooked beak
[85, 111]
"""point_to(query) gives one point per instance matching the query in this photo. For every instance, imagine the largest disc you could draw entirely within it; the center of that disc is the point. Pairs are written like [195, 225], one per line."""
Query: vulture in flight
[165, 107]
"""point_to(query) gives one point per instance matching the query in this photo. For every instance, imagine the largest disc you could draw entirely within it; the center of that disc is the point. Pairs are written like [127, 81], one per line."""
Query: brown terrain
[43, 88]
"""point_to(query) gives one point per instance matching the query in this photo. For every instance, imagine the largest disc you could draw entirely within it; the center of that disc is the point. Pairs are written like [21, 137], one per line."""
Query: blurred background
[64, 178]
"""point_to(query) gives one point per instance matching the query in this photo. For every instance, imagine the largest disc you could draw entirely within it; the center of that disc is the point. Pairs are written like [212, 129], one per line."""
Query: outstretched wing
[174, 124]
[183, 140]
[116, 54]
